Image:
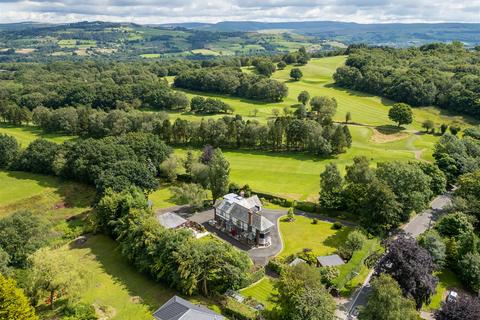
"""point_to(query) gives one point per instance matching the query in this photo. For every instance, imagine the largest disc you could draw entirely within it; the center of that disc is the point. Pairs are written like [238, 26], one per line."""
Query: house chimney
[250, 216]
[242, 193]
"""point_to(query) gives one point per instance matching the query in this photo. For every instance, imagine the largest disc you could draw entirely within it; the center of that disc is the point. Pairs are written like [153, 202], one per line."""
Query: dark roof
[239, 207]
[180, 309]
[330, 261]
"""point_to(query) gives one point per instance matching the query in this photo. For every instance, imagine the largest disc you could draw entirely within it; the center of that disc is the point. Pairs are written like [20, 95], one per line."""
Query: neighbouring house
[242, 218]
[329, 261]
[296, 261]
[180, 309]
[170, 220]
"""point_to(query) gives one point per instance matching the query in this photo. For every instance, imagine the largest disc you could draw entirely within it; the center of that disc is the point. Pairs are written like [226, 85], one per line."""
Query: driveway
[419, 224]
[427, 218]
[259, 256]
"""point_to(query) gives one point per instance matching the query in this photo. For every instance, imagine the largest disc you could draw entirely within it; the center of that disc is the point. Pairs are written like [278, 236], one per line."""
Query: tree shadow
[389, 129]
[106, 253]
[337, 239]
[72, 194]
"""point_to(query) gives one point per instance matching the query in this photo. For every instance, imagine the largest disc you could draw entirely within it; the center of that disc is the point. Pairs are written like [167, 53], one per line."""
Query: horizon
[237, 21]
[214, 11]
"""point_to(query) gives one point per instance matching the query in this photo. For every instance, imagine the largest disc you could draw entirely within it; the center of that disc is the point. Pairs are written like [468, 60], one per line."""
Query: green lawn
[446, 280]
[26, 134]
[354, 272]
[114, 284]
[261, 291]
[302, 233]
[45, 195]
[161, 198]
[317, 80]
[297, 175]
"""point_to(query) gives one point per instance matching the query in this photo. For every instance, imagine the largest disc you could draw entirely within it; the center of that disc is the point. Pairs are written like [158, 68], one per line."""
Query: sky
[169, 11]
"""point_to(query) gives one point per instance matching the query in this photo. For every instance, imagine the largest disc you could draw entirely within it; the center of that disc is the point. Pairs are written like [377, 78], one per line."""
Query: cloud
[162, 11]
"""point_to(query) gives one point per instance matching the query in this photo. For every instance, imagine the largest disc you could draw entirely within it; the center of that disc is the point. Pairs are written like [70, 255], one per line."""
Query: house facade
[242, 219]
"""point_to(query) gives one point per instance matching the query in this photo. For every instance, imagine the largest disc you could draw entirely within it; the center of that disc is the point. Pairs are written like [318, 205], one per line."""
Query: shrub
[337, 225]
[236, 310]
[275, 265]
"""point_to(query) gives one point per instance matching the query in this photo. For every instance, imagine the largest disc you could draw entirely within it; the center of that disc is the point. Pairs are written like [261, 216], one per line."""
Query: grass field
[297, 175]
[26, 134]
[205, 52]
[261, 291]
[321, 238]
[51, 197]
[317, 80]
[446, 280]
[77, 43]
[114, 284]
[161, 198]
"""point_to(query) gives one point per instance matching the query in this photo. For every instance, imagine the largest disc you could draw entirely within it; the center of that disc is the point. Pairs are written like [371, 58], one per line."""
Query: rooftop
[180, 309]
[330, 261]
[170, 220]
[296, 261]
[239, 208]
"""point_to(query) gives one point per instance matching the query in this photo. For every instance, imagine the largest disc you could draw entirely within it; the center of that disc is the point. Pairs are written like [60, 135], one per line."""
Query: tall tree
[56, 273]
[331, 186]
[296, 74]
[412, 267]
[301, 295]
[14, 304]
[303, 97]
[9, 150]
[218, 174]
[386, 302]
[21, 234]
[401, 113]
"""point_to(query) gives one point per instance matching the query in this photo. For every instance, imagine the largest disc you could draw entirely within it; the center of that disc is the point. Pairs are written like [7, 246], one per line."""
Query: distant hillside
[395, 34]
[30, 41]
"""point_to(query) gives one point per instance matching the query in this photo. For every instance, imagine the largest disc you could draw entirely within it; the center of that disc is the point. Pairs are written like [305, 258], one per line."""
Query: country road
[415, 227]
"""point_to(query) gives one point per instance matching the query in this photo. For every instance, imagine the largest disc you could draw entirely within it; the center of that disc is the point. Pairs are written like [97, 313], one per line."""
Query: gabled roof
[296, 261]
[239, 207]
[180, 309]
[330, 261]
[170, 220]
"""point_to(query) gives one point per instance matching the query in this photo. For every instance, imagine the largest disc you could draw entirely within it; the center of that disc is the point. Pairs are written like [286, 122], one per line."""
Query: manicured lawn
[446, 280]
[297, 175]
[45, 195]
[261, 291]
[26, 134]
[161, 198]
[302, 233]
[317, 80]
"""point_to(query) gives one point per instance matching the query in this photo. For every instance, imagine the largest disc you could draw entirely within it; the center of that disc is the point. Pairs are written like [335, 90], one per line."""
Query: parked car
[452, 296]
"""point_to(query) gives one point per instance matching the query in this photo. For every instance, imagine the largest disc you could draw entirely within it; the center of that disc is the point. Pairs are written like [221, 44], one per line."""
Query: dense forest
[231, 81]
[96, 84]
[444, 75]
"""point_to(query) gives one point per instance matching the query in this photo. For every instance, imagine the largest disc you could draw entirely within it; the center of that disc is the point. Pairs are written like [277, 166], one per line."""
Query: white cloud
[161, 11]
